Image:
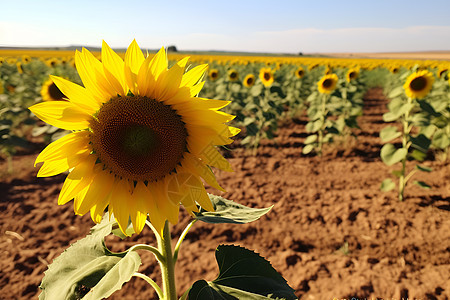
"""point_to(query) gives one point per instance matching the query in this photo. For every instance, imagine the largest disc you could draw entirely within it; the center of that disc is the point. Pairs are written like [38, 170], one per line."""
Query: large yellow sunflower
[142, 139]
[50, 91]
[327, 84]
[266, 76]
[418, 84]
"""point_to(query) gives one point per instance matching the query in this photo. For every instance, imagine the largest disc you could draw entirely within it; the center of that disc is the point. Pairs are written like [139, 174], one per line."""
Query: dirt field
[332, 233]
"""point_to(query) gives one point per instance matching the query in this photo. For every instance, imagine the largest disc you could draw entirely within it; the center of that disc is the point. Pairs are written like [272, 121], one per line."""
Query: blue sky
[260, 26]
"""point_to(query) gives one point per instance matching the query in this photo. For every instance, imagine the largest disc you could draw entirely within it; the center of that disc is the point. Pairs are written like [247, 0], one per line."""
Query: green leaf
[227, 211]
[87, 269]
[418, 155]
[389, 133]
[396, 92]
[421, 143]
[441, 140]
[243, 274]
[387, 185]
[422, 184]
[308, 148]
[423, 168]
[311, 139]
[390, 155]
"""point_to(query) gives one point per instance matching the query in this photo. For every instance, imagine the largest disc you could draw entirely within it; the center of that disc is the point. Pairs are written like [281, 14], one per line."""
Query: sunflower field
[316, 107]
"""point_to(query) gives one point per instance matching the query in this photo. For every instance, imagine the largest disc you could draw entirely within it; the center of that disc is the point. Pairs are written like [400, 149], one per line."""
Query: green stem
[405, 133]
[152, 283]
[180, 240]
[168, 265]
[152, 249]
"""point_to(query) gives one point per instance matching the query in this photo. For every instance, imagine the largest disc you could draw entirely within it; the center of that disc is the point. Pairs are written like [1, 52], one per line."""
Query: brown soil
[395, 249]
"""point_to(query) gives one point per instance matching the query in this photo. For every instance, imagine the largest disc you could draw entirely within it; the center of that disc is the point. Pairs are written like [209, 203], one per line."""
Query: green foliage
[87, 269]
[243, 274]
[227, 211]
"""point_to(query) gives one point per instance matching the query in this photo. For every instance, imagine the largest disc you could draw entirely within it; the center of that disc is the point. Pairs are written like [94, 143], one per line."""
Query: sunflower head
[50, 92]
[2, 60]
[327, 84]
[26, 59]
[19, 67]
[233, 75]
[249, 80]
[299, 73]
[442, 72]
[142, 139]
[394, 69]
[52, 62]
[266, 76]
[418, 84]
[352, 74]
[213, 74]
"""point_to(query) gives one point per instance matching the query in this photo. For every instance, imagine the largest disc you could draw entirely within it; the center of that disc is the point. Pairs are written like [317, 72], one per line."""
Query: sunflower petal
[194, 75]
[169, 82]
[65, 147]
[77, 180]
[114, 67]
[134, 58]
[62, 114]
[120, 195]
[194, 90]
[195, 166]
[77, 94]
[96, 193]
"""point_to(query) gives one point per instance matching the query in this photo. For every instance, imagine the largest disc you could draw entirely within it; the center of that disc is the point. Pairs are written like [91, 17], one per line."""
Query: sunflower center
[54, 92]
[250, 80]
[418, 84]
[233, 75]
[267, 76]
[327, 83]
[300, 73]
[139, 138]
[352, 75]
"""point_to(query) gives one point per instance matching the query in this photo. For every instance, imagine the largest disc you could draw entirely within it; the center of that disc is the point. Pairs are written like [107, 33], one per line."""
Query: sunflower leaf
[243, 274]
[87, 269]
[227, 211]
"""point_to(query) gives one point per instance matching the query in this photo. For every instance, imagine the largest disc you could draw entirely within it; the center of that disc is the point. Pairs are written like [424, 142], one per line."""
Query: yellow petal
[194, 75]
[196, 88]
[212, 157]
[62, 114]
[98, 210]
[169, 82]
[114, 68]
[65, 147]
[77, 95]
[120, 196]
[158, 64]
[208, 117]
[195, 166]
[133, 62]
[146, 81]
[168, 210]
[145, 204]
[77, 180]
[96, 193]
[93, 76]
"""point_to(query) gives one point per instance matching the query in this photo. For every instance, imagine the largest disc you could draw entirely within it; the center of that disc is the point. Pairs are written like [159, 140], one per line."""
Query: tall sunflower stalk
[405, 112]
[141, 142]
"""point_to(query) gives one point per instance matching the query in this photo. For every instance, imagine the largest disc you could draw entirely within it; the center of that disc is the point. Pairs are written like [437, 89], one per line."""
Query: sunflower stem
[152, 249]
[168, 265]
[152, 283]
[180, 240]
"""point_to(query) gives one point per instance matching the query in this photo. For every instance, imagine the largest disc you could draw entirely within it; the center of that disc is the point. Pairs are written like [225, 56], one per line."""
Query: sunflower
[19, 67]
[2, 60]
[327, 84]
[51, 62]
[418, 84]
[233, 75]
[352, 74]
[213, 74]
[442, 71]
[249, 80]
[26, 59]
[394, 69]
[266, 76]
[142, 139]
[50, 92]
[299, 73]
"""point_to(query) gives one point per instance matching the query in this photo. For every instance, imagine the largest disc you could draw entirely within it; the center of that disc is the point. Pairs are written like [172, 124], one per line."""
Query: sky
[277, 26]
